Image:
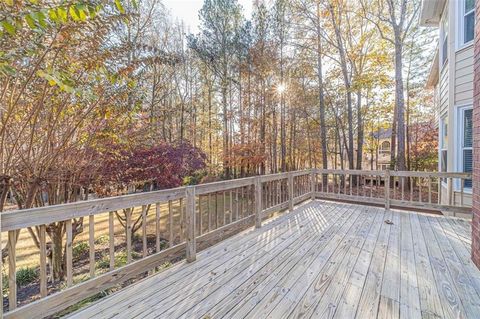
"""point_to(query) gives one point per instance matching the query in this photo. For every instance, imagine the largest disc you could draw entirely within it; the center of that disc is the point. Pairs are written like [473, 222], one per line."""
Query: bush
[79, 249]
[26, 275]
[104, 239]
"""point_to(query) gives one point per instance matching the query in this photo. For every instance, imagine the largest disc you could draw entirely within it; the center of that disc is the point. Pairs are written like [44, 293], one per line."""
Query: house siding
[476, 143]
[464, 76]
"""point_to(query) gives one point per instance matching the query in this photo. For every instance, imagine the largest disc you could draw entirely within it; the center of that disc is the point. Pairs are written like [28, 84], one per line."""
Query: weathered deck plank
[323, 260]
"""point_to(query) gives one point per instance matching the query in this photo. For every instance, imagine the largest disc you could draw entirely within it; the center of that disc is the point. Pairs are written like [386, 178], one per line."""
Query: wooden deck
[322, 260]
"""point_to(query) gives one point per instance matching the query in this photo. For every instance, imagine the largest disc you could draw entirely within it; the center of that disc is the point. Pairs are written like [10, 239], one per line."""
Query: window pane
[467, 165]
[469, 27]
[443, 161]
[467, 127]
[444, 50]
[444, 140]
[469, 5]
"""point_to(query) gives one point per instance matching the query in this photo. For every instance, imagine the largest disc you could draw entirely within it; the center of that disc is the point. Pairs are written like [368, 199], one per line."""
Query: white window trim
[441, 59]
[460, 14]
[441, 146]
[458, 146]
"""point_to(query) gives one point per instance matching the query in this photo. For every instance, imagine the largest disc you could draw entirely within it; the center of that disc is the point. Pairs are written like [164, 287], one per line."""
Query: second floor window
[467, 20]
[444, 41]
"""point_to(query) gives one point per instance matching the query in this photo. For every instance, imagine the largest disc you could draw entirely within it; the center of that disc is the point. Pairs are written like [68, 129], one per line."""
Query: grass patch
[102, 240]
[26, 276]
[79, 249]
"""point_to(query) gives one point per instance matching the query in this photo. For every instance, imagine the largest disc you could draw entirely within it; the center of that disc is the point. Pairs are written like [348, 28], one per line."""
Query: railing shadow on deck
[185, 219]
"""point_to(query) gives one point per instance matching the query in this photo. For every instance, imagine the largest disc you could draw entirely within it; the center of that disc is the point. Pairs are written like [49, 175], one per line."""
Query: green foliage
[79, 249]
[102, 240]
[26, 275]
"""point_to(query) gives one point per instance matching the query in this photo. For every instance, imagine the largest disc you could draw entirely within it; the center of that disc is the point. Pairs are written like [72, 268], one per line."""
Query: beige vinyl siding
[464, 76]
[444, 90]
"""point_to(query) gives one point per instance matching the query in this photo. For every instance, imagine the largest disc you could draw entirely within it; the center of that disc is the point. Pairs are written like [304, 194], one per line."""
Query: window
[385, 147]
[444, 40]
[467, 21]
[443, 144]
[466, 153]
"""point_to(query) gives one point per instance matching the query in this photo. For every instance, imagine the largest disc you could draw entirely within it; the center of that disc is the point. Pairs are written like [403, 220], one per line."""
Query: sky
[187, 10]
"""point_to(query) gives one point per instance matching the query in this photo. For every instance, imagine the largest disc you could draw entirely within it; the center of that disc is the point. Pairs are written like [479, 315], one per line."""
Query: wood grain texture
[322, 260]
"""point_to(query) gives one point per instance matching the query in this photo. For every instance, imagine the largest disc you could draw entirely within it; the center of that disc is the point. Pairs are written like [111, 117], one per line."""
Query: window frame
[442, 147]
[443, 40]
[460, 148]
[461, 14]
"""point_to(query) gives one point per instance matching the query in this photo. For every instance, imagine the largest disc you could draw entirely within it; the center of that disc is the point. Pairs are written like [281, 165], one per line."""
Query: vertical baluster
[69, 234]
[462, 181]
[91, 242]
[157, 227]
[224, 209]
[429, 189]
[170, 222]
[350, 183]
[411, 188]
[242, 211]
[12, 269]
[231, 206]
[191, 250]
[450, 191]
[236, 204]
[420, 189]
[371, 185]
[200, 215]
[129, 235]
[43, 261]
[182, 220]
[209, 212]
[111, 240]
[403, 188]
[144, 231]
[394, 188]
[439, 190]
[216, 209]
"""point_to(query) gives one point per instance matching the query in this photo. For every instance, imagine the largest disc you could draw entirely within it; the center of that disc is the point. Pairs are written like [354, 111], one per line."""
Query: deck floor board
[324, 259]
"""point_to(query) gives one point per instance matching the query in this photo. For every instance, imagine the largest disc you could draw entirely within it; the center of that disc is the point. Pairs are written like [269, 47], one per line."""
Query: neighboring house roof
[433, 75]
[431, 12]
[382, 133]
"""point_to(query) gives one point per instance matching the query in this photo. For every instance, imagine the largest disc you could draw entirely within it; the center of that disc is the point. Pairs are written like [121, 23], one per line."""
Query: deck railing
[135, 234]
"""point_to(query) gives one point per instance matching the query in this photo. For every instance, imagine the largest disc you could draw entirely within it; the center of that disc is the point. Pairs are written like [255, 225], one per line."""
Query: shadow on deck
[324, 259]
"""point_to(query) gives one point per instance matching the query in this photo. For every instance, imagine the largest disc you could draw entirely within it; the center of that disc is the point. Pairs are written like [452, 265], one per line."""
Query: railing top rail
[395, 173]
[17, 219]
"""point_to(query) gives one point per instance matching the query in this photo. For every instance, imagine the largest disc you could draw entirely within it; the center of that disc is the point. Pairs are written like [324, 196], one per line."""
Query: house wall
[455, 88]
[476, 144]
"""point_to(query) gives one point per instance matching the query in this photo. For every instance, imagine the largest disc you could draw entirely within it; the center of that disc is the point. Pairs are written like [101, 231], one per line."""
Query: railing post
[290, 191]
[190, 223]
[387, 189]
[312, 183]
[258, 202]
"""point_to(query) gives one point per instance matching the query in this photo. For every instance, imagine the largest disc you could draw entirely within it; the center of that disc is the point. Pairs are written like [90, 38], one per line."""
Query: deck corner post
[387, 189]
[258, 202]
[313, 175]
[290, 191]
[190, 223]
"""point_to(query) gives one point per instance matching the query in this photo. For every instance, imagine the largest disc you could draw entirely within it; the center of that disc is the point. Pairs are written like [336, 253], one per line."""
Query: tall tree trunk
[400, 105]
[321, 99]
[359, 130]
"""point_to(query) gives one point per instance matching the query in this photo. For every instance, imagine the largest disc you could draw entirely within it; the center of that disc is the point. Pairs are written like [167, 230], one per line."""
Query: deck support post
[312, 183]
[387, 189]
[290, 191]
[258, 202]
[190, 223]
